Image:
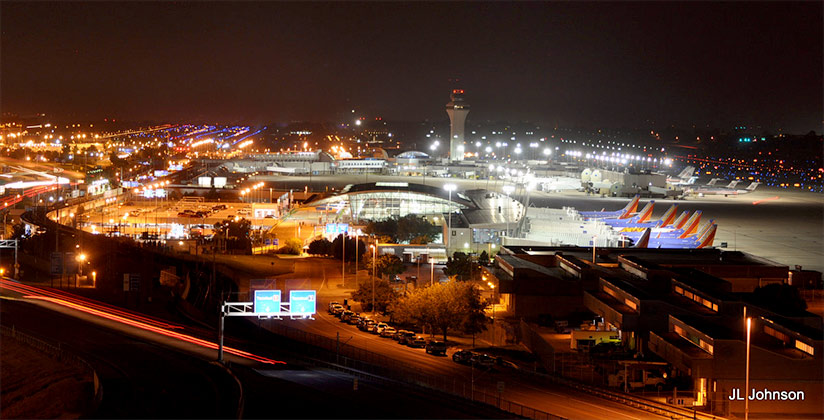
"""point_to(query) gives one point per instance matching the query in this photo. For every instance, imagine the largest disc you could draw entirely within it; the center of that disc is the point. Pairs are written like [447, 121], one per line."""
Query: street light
[747, 375]
[432, 271]
[450, 188]
[374, 271]
[594, 239]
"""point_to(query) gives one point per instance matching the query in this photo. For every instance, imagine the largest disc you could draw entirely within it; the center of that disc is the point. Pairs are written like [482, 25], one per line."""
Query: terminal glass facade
[381, 205]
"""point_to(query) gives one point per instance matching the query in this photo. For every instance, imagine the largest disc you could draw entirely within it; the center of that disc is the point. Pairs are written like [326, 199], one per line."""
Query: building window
[707, 346]
[631, 304]
[679, 290]
[777, 334]
[806, 348]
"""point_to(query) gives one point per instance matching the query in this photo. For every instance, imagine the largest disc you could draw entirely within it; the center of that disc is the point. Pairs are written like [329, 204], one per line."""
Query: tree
[386, 265]
[292, 246]
[235, 233]
[385, 296]
[320, 246]
[336, 250]
[407, 229]
[459, 266]
[444, 307]
[483, 259]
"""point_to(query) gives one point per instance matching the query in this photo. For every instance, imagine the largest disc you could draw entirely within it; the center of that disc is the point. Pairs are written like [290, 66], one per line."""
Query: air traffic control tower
[457, 110]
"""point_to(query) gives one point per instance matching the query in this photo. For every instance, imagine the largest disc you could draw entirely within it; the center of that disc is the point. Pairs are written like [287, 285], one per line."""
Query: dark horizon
[572, 64]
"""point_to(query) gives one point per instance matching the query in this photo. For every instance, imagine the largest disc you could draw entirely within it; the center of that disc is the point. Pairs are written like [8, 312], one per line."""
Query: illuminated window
[806, 348]
[679, 290]
[631, 304]
[777, 334]
[707, 346]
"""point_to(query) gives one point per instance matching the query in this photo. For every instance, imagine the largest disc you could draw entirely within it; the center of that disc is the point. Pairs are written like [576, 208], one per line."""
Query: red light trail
[120, 316]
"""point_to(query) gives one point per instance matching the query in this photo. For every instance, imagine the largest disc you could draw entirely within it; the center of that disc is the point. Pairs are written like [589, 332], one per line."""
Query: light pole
[431, 271]
[494, 301]
[450, 188]
[594, 240]
[374, 271]
[747, 375]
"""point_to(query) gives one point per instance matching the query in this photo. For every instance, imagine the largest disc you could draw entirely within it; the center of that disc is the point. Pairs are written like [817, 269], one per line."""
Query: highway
[150, 368]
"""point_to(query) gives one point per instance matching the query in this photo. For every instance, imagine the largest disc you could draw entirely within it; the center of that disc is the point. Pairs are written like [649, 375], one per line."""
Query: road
[152, 369]
[518, 387]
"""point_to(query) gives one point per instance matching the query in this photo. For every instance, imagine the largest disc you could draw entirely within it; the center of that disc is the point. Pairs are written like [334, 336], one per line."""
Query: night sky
[589, 64]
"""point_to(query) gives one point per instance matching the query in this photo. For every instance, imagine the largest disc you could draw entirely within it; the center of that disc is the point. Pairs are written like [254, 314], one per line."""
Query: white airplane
[725, 191]
[685, 177]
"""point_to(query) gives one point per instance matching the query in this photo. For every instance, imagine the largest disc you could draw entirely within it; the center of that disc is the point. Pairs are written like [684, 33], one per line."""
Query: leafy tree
[460, 266]
[386, 265]
[483, 259]
[336, 249]
[444, 307]
[320, 246]
[235, 234]
[292, 246]
[404, 229]
[385, 296]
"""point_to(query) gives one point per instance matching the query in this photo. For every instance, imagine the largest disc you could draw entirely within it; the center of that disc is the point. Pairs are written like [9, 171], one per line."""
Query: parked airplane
[685, 177]
[643, 241]
[694, 242]
[642, 220]
[688, 228]
[725, 191]
[624, 213]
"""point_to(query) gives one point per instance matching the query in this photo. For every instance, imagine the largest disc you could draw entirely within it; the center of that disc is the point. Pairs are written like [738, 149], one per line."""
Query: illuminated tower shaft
[457, 110]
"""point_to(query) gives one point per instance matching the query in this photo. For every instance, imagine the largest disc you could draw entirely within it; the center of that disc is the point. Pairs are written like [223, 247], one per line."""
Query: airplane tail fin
[713, 181]
[692, 180]
[753, 186]
[709, 237]
[732, 184]
[631, 207]
[643, 241]
[686, 172]
[668, 216]
[679, 222]
[692, 224]
[646, 213]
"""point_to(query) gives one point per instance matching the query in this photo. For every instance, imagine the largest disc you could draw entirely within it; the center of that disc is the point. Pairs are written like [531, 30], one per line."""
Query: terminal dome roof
[413, 155]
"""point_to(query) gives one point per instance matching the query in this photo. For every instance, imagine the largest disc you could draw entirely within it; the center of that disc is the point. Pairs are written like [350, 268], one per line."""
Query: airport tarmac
[781, 225]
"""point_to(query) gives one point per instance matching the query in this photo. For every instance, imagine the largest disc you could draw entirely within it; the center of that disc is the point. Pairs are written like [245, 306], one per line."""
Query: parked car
[462, 356]
[367, 325]
[436, 347]
[398, 334]
[417, 342]
[406, 337]
[354, 319]
[388, 332]
[219, 207]
[483, 360]
[373, 327]
[337, 310]
[380, 327]
[345, 315]
[331, 304]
